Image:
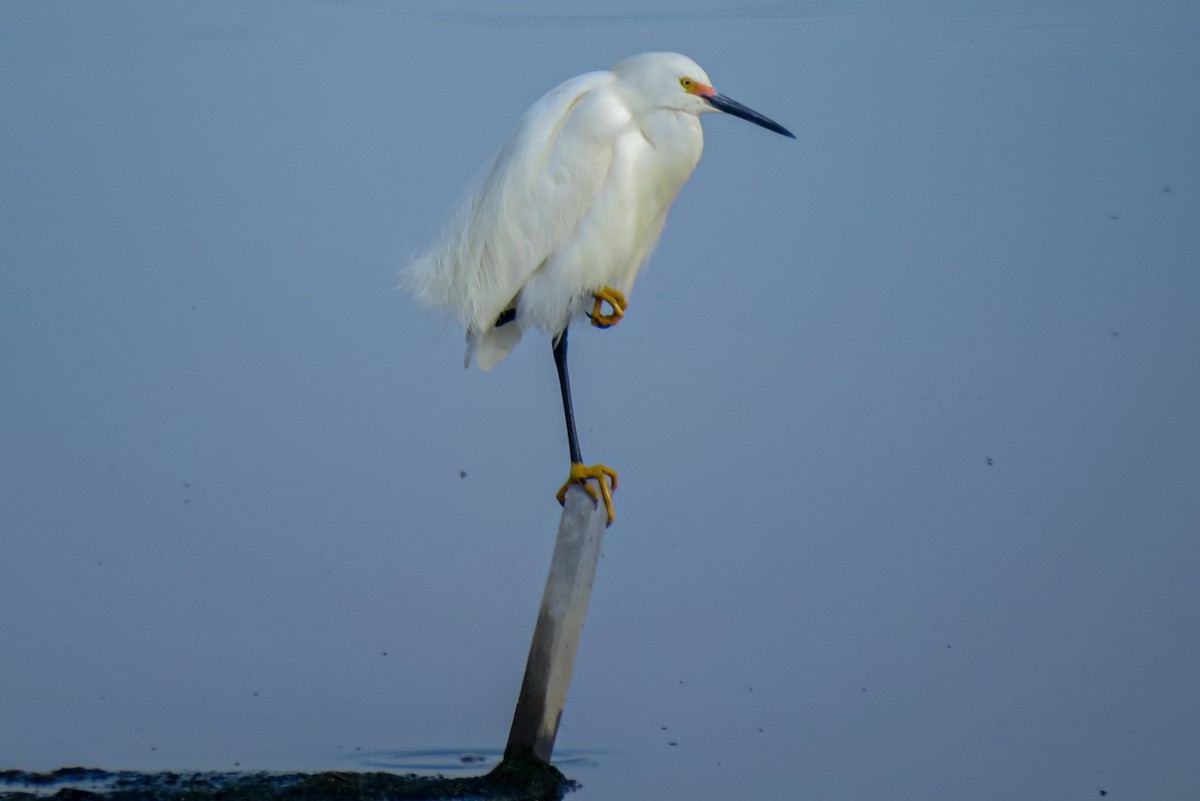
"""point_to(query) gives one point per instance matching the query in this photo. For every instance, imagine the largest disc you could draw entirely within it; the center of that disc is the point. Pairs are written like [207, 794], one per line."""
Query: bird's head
[674, 81]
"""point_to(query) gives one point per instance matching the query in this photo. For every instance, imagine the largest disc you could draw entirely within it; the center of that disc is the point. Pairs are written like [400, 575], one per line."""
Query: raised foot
[615, 300]
[581, 474]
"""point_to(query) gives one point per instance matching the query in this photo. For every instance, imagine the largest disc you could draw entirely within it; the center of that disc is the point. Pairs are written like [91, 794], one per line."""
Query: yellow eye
[686, 83]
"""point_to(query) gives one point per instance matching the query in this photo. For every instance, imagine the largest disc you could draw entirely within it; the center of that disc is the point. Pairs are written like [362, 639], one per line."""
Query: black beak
[723, 103]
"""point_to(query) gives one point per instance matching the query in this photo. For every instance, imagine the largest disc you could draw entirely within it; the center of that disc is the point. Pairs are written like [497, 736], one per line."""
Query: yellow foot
[615, 300]
[581, 474]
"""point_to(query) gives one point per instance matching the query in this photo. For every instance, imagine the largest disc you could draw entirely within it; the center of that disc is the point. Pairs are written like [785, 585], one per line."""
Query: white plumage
[568, 211]
[573, 202]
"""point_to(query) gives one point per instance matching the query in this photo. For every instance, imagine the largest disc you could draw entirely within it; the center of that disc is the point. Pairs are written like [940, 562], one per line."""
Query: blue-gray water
[907, 411]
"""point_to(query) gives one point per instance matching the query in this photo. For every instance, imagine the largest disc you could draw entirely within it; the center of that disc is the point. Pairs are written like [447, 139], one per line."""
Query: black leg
[564, 381]
[581, 474]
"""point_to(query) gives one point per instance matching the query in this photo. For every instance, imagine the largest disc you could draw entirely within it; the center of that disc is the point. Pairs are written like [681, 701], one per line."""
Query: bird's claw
[615, 300]
[581, 474]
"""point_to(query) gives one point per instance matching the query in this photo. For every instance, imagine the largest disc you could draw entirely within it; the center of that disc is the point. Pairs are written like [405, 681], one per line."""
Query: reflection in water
[449, 760]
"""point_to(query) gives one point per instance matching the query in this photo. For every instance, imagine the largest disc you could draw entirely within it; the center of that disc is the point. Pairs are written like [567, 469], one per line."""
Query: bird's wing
[533, 195]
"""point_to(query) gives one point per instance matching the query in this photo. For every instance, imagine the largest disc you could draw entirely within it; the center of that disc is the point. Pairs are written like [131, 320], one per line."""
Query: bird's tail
[492, 345]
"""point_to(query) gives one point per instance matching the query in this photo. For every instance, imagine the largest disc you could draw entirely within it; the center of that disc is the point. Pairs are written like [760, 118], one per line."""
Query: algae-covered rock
[521, 777]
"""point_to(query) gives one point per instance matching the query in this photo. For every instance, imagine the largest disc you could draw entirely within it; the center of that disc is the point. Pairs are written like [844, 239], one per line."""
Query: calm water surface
[905, 409]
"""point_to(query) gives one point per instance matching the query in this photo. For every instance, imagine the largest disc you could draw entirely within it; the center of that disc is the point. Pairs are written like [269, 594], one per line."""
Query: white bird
[568, 211]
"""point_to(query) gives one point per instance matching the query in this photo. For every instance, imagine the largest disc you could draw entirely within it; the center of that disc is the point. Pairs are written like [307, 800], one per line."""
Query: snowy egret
[568, 210]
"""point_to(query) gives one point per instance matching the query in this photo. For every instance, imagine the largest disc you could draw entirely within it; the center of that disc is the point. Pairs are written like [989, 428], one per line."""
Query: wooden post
[560, 620]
